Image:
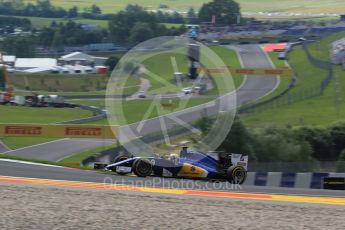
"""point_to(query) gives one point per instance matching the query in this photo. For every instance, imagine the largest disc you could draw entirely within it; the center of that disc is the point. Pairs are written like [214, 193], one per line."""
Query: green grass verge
[77, 158]
[17, 114]
[308, 76]
[97, 102]
[161, 71]
[38, 22]
[161, 65]
[320, 110]
[305, 6]
[39, 92]
[321, 48]
[135, 110]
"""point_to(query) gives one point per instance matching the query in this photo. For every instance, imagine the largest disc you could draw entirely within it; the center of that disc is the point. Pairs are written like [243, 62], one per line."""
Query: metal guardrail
[101, 115]
[315, 166]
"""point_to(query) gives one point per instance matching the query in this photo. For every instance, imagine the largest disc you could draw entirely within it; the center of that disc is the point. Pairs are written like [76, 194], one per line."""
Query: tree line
[134, 25]
[128, 27]
[44, 8]
[69, 34]
[285, 144]
[223, 11]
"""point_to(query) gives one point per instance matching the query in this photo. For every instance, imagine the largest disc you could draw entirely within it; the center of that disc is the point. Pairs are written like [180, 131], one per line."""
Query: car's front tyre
[142, 167]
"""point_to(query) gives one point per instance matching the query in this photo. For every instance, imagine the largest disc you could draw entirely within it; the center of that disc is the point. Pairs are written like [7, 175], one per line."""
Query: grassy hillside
[320, 110]
[12, 114]
[38, 22]
[304, 6]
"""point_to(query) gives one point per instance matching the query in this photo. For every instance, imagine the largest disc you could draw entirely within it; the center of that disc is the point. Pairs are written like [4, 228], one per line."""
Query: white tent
[77, 56]
[30, 63]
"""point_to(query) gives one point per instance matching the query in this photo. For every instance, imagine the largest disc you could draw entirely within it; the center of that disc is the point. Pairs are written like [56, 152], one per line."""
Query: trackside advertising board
[284, 72]
[57, 131]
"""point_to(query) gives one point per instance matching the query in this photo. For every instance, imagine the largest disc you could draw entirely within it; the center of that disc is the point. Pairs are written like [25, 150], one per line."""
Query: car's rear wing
[239, 160]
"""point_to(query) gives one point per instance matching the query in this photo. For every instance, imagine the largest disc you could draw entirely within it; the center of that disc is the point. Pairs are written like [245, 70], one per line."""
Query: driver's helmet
[173, 157]
[184, 152]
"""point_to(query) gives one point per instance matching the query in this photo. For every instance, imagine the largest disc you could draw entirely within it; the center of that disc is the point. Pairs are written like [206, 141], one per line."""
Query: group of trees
[135, 25]
[69, 34]
[8, 24]
[273, 144]
[55, 36]
[267, 144]
[20, 46]
[170, 18]
[131, 26]
[223, 11]
[11, 21]
[44, 8]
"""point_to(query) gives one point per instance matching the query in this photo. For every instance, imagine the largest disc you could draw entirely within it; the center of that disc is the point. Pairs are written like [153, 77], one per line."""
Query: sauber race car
[190, 164]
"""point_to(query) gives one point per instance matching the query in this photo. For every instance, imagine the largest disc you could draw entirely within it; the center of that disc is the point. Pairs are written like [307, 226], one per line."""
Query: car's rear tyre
[118, 159]
[142, 167]
[236, 175]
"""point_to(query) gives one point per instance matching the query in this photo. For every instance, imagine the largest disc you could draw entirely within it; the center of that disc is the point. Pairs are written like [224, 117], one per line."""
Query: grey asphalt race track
[59, 149]
[255, 87]
[59, 173]
[3, 148]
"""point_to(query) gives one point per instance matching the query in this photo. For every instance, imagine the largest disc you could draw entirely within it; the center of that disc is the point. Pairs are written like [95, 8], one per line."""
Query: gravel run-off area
[46, 207]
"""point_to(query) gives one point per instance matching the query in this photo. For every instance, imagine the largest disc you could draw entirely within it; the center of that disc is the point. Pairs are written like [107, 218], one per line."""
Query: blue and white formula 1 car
[190, 164]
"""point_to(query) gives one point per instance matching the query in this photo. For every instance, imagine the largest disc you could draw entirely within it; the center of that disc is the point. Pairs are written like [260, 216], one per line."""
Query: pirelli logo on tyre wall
[79, 131]
[58, 131]
[20, 130]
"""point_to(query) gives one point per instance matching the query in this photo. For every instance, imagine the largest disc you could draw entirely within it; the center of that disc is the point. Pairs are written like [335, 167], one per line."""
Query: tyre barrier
[293, 180]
